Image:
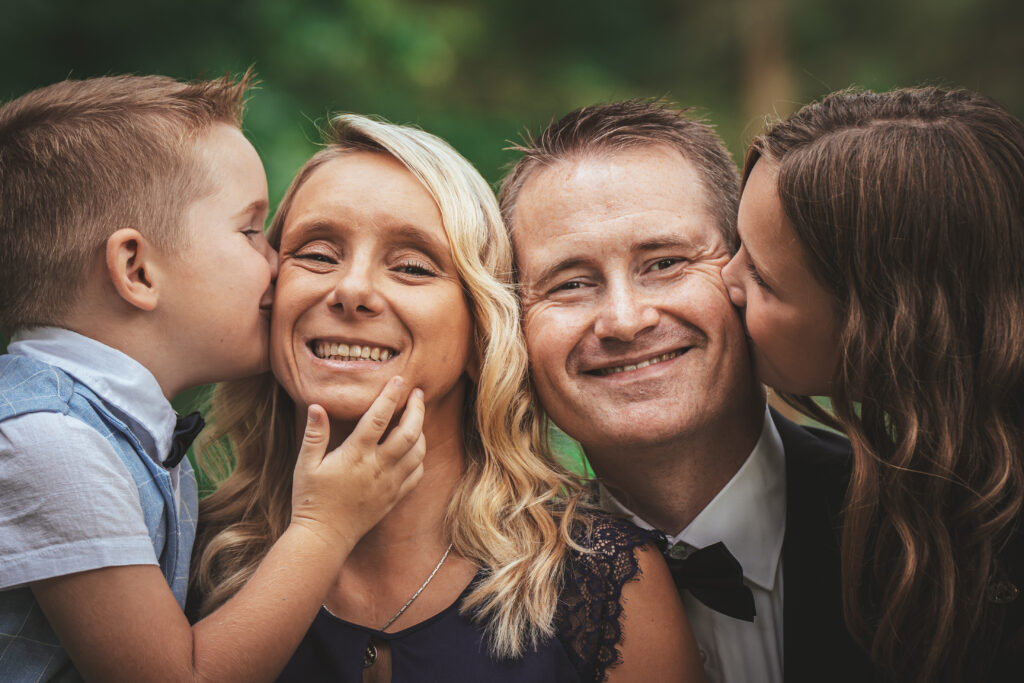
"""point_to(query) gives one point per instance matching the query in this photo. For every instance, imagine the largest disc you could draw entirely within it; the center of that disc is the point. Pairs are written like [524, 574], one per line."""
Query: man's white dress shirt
[749, 516]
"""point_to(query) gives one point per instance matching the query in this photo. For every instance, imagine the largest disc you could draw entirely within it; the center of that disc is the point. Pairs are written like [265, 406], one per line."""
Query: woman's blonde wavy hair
[910, 205]
[514, 507]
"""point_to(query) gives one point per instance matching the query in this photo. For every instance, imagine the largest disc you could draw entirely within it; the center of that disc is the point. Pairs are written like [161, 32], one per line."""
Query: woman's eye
[756, 277]
[314, 256]
[415, 268]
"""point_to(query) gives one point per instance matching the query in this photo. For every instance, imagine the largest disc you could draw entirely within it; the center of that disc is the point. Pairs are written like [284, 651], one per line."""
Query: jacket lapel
[815, 637]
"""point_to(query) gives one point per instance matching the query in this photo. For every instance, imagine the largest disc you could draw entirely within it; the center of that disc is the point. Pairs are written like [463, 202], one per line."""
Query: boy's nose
[273, 260]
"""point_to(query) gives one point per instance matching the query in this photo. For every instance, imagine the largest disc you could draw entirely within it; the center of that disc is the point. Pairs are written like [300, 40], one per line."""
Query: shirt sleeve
[67, 502]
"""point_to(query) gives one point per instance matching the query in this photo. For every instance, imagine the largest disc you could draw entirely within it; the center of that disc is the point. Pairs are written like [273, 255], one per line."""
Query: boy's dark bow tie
[185, 432]
[713, 576]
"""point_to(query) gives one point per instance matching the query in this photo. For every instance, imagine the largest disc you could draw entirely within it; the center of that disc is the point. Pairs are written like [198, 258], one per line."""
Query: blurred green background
[478, 73]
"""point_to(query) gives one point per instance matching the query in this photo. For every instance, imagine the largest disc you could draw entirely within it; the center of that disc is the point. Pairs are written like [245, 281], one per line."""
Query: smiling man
[622, 217]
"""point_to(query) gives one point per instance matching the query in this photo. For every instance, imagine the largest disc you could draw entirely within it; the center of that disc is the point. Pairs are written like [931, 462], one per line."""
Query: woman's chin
[342, 401]
[344, 411]
[345, 417]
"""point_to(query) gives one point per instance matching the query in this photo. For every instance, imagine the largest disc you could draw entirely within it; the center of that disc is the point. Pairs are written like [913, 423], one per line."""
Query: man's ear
[131, 266]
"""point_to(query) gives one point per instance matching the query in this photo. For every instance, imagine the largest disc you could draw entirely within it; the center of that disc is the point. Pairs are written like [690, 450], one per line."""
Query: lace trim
[587, 619]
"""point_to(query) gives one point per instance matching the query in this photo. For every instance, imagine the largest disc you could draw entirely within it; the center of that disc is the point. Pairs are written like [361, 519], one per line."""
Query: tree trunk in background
[768, 84]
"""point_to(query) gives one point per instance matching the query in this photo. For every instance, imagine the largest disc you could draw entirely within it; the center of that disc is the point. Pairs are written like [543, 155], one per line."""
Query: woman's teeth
[332, 351]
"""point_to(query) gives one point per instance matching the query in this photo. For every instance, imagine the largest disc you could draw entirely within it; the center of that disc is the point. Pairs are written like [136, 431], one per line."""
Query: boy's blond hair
[82, 159]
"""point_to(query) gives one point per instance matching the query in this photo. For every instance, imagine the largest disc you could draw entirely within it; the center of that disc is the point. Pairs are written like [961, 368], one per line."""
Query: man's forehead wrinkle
[637, 229]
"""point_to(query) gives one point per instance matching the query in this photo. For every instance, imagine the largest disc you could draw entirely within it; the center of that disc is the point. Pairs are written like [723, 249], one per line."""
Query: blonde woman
[394, 262]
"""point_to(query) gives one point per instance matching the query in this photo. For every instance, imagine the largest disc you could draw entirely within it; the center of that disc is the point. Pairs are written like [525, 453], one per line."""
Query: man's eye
[571, 284]
[662, 264]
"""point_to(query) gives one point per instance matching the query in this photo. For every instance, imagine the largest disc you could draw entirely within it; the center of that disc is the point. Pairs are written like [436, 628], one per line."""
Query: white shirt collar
[128, 388]
[748, 514]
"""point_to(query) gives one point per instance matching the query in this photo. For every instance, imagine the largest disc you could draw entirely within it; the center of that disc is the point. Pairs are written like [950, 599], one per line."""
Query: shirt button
[703, 657]
[679, 551]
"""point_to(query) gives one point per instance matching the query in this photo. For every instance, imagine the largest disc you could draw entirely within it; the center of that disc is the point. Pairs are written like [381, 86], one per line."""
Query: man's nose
[625, 313]
[732, 276]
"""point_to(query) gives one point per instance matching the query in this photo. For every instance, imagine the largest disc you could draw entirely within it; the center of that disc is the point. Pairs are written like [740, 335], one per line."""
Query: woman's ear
[131, 266]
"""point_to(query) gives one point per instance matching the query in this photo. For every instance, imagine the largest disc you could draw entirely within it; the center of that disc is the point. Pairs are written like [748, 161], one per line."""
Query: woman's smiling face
[367, 289]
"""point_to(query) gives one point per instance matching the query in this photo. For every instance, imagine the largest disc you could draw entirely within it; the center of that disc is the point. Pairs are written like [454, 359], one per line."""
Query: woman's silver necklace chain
[370, 656]
[418, 590]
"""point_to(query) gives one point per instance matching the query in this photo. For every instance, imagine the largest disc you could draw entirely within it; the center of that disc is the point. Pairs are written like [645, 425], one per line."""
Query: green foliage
[477, 73]
[569, 452]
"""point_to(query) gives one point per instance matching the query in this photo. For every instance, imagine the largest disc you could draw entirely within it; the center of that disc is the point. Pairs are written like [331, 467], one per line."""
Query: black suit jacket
[816, 644]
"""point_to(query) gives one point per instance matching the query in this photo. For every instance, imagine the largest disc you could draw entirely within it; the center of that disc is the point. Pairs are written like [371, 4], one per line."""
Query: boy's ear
[131, 265]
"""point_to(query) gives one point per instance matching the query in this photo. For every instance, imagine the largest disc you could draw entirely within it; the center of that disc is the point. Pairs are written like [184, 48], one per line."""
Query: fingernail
[418, 393]
[398, 381]
[312, 417]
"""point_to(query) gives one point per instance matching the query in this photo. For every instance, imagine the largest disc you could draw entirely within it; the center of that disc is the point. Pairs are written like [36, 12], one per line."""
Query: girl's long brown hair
[910, 206]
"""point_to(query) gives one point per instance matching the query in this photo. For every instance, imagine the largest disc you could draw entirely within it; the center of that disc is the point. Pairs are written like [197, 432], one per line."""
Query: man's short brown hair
[82, 159]
[607, 128]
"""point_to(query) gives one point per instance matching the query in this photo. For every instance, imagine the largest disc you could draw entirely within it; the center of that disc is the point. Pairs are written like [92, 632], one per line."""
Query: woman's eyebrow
[412, 236]
[305, 230]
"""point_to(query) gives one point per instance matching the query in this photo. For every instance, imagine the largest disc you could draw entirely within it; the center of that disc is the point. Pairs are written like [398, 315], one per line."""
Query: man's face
[632, 338]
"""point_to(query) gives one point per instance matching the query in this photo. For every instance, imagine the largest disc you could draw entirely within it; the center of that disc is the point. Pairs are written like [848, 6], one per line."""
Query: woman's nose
[732, 275]
[355, 292]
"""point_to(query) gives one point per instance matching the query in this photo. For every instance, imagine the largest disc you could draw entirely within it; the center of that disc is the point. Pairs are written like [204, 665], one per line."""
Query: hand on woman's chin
[348, 405]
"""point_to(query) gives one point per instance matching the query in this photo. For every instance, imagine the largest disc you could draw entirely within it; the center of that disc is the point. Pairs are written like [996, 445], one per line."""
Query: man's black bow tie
[185, 432]
[715, 577]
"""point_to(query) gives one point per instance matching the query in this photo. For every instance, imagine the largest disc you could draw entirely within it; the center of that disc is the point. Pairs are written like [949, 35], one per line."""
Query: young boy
[133, 265]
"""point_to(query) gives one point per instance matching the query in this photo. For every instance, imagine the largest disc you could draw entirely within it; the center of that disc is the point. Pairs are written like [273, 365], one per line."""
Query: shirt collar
[122, 383]
[748, 514]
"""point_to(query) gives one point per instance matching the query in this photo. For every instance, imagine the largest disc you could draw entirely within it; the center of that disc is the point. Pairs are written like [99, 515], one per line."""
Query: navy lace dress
[451, 647]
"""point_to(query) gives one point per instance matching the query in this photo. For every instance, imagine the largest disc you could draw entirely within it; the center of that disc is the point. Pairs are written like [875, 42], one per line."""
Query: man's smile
[637, 365]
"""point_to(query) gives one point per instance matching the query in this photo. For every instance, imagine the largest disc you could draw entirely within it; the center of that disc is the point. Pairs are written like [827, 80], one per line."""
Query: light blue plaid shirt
[83, 430]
